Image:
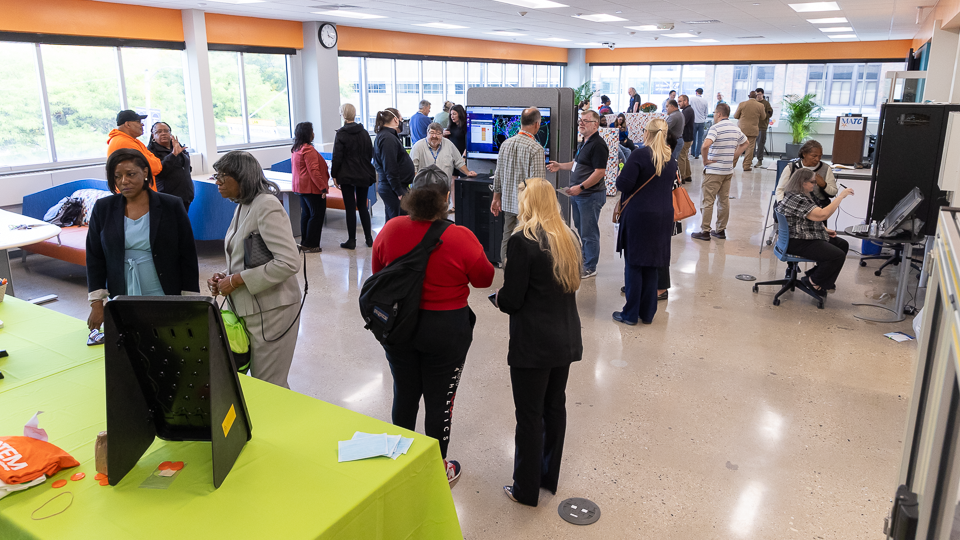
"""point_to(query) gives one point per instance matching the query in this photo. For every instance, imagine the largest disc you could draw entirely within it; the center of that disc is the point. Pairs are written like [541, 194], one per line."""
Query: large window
[408, 87]
[433, 85]
[154, 82]
[23, 139]
[61, 101]
[380, 93]
[840, 88]
[350, 82]
[251, 102]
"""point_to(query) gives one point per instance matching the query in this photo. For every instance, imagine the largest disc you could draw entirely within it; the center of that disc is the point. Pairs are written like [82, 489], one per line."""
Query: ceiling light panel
[708, 21]
[828, 20]
[441, 25]
[533, 4]
[349, 14]
[680, 35]
[811, 7]
[644, 28]
[599, 17]
[837, 29]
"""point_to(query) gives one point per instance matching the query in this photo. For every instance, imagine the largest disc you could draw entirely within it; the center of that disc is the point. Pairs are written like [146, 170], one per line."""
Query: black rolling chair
[792, 282]
[893, 259]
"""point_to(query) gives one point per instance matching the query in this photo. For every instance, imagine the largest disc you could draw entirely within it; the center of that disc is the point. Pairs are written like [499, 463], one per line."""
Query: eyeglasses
[162, 131]
[220, 178]
[582, 121]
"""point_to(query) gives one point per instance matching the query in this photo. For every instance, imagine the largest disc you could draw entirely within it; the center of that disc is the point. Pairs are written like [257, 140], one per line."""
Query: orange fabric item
[309, 171]
[23, 459]
[118, 139]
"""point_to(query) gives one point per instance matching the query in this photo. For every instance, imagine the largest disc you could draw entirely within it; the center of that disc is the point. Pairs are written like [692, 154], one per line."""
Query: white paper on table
[362, 448]
[402, 446]
[32, 429]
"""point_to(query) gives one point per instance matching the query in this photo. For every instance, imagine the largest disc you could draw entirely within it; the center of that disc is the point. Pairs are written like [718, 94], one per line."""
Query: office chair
[792, 282]
[893, 259]
[781, 165]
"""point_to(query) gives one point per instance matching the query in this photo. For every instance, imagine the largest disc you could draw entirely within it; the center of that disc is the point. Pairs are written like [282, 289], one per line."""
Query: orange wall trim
[387, 42]
[861, 50]
[233, 30]
[86, 18]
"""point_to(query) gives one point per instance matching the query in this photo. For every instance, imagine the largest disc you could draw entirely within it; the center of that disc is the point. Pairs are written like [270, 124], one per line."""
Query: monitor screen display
[901, 212]
[488, 127]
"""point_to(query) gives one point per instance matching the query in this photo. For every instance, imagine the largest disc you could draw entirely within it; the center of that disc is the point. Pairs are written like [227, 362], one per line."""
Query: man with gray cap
[129, 127]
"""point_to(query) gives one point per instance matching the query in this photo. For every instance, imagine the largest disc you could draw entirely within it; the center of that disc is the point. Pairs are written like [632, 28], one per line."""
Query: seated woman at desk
[810, 154]
[140, 242]
[809, 236]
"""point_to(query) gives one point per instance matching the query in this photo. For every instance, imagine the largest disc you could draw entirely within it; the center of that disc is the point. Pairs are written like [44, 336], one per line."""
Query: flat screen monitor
[488, 127]
[903, 210]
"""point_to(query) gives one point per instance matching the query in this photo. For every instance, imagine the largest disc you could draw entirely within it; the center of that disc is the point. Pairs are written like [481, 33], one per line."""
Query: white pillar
[942, 67]
[321, 85]
[576, 71]
[200, 111]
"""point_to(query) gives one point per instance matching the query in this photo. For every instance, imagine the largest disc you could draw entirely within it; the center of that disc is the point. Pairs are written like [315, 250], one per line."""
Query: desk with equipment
[286, 482]
[898, 228]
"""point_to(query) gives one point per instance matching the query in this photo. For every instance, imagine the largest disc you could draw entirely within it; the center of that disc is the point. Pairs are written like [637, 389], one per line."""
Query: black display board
[170, 374]
[473, 197]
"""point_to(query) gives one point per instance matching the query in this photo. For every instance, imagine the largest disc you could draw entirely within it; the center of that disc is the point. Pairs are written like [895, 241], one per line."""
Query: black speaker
[908, 152]
[473, 197]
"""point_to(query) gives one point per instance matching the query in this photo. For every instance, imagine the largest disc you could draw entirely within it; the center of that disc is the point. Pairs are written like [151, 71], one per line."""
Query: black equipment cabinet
[473, 197]
[908, 152]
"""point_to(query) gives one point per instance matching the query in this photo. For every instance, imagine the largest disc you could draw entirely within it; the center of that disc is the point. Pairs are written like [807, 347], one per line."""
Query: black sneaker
[722, 235]
[701, 236]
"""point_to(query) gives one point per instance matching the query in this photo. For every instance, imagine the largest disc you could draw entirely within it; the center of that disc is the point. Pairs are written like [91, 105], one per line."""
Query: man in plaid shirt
[520, 157]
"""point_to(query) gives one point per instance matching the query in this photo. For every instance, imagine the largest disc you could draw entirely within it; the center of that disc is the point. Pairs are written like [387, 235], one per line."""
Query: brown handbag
[621, 204]
[683, 206]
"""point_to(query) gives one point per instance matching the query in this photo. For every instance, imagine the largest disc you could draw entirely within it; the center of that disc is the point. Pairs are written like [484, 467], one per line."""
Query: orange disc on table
[165, 465]
[78, 476]
[59, 483]
[176, 466]
[99, 476]
[104, 481]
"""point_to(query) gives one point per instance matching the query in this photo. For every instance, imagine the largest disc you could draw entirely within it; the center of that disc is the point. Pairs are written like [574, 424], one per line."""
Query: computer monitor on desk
[901, 212]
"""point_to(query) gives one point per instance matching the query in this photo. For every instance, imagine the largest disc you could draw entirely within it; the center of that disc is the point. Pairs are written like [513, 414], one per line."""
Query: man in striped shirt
[520, 157]
[721, 149]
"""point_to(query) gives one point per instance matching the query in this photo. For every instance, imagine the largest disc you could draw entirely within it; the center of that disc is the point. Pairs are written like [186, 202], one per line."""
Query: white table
[16, 238]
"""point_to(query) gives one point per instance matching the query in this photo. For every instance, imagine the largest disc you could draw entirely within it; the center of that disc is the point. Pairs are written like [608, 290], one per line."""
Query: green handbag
[238, 339]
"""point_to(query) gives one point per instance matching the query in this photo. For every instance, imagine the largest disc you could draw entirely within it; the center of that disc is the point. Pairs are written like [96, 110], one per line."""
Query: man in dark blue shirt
[419, 122]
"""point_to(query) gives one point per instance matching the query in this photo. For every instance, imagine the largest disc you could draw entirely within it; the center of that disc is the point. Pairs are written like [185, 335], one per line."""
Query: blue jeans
[697, 139]
[586, 216]
[676, 151]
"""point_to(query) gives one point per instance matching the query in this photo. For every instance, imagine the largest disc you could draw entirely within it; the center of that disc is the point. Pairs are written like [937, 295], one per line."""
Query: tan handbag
[621, 204]
[683, 206]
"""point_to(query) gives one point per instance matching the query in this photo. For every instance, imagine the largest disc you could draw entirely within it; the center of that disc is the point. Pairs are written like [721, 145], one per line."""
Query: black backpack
[70, 213]
[390, 299]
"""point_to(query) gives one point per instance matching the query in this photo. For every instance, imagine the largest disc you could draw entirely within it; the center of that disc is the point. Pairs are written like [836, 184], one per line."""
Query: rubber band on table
[55, 497]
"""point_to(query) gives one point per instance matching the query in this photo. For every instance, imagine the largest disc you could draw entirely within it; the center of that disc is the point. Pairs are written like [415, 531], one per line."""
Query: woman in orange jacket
[310, 181]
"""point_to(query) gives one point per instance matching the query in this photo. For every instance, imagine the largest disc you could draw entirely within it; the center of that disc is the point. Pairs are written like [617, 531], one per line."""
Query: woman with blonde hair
[353, 173]
[540, 281]
[646, 222]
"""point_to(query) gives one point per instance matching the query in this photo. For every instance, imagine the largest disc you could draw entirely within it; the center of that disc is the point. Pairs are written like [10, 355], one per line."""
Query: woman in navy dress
[646, 223]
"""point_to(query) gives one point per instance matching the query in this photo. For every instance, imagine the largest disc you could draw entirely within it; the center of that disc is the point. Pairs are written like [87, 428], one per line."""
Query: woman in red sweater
[310, 181]
[430, 365]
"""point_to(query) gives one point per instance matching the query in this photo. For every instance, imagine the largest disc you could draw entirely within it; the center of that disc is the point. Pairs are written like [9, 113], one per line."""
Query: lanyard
[527, 134]
[437, 154]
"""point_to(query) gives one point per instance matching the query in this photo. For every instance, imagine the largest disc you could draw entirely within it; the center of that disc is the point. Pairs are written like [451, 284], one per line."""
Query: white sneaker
[588, 274]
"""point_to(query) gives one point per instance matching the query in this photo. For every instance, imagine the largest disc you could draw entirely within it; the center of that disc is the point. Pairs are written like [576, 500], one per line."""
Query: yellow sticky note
[228, 420]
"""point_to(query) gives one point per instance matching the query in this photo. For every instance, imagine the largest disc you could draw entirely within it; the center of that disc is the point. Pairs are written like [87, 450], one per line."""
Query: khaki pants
[748, 154]
[715, 187]
[509, 224]
[684, 160]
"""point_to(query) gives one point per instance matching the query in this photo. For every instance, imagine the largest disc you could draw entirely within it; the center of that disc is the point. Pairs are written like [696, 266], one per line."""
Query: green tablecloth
[286, 483]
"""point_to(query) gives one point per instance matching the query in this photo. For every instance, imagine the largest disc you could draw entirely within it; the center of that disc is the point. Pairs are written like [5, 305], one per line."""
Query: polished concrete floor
[726, 418]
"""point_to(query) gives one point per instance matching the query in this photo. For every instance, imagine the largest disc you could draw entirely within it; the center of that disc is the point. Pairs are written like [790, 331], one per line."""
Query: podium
[849, 135]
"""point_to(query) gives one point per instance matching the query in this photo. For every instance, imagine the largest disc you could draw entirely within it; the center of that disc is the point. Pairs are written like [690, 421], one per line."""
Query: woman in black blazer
[392, 162]
[540, 281]
[139, 242]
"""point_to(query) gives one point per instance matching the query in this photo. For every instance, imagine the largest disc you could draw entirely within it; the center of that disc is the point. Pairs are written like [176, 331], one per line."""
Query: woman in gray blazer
[266, 297]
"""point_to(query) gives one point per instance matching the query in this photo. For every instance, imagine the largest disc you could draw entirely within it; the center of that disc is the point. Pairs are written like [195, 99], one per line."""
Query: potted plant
[800, 113]
[582, 93]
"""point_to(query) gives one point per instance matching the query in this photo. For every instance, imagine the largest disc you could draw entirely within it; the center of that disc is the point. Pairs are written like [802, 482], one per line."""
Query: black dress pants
[540, 398]
[829, 255]
[430, 367]
[355, 200]
[313, 206]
